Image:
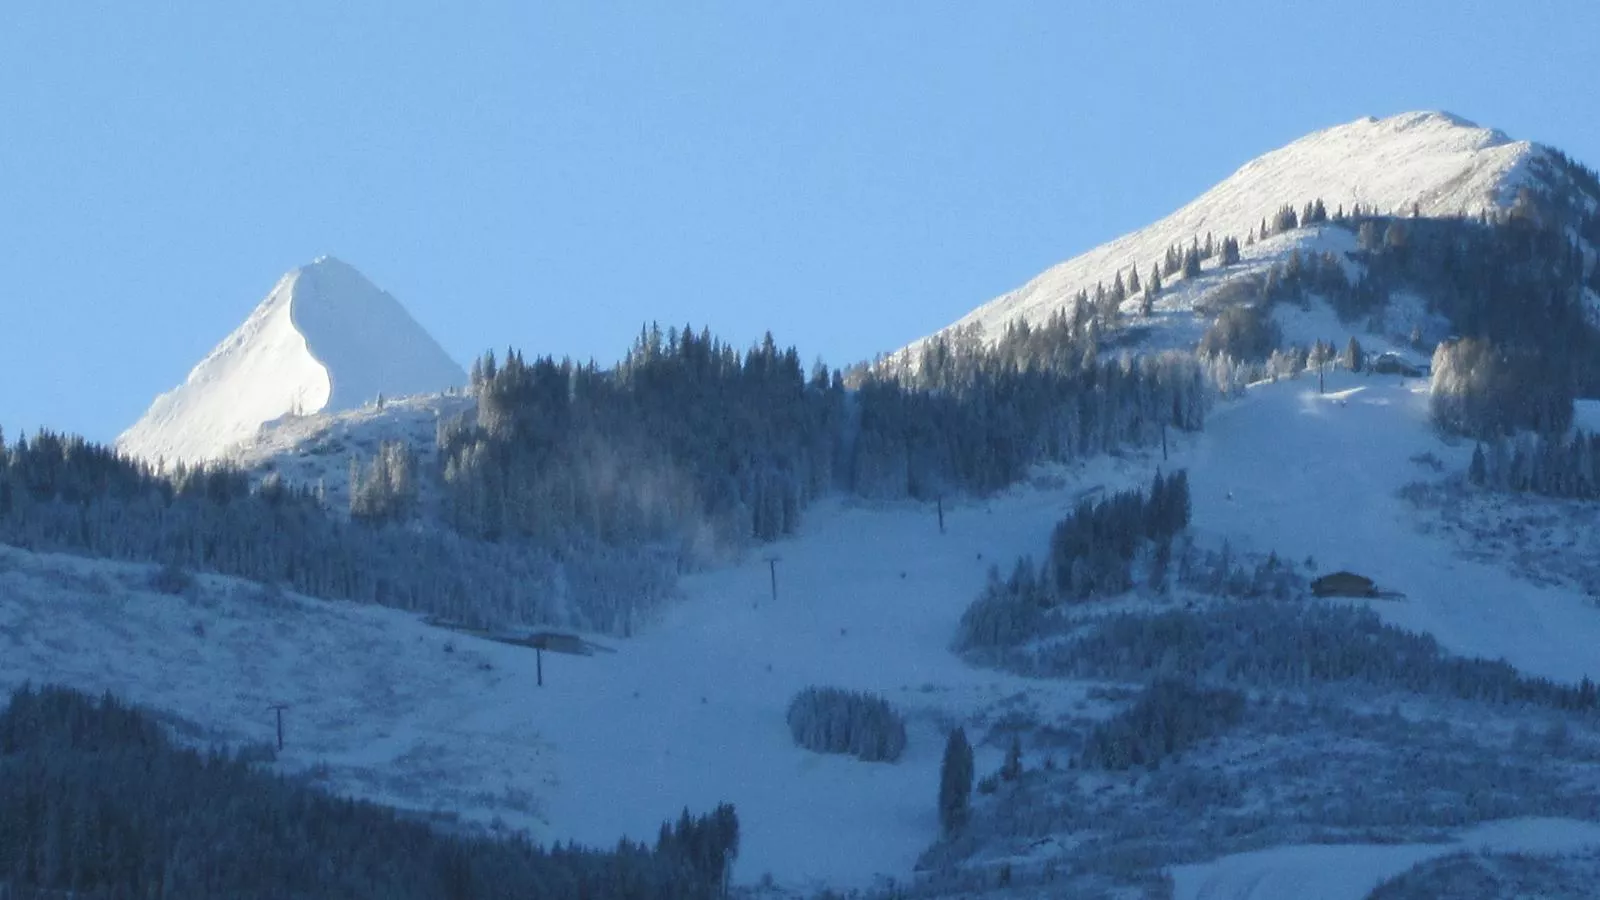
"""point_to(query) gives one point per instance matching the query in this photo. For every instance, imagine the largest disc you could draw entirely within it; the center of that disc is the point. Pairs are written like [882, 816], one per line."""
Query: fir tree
[955, 783]
[1320, 355]
[1191, 262]
[1011, 770]
[1354, 359]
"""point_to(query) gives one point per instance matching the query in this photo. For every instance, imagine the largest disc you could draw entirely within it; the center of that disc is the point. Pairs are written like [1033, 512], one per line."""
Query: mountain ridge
[1433, 163]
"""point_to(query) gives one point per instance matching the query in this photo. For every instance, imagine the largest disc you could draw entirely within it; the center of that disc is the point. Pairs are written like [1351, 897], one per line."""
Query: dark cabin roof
[1342, 583]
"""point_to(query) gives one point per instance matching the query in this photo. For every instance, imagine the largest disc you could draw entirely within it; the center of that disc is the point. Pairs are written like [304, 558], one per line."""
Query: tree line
[62, 493]
[689, 443]
[1554, 465]
[1272, 644]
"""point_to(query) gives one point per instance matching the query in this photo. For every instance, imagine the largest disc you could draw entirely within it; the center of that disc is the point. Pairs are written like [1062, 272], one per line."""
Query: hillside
[729, 532]
[691, 711]
[1430, 163]
[324, 339]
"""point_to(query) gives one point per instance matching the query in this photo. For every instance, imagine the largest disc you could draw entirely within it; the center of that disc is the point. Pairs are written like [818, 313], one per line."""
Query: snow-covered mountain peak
[1438, 120]
[324, 339]
[1433, 163]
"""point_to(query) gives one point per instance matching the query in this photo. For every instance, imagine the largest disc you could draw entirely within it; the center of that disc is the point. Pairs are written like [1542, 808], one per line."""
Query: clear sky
[849, 175]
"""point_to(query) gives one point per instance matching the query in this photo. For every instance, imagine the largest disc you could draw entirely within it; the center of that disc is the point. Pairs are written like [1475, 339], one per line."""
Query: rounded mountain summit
[325, 339]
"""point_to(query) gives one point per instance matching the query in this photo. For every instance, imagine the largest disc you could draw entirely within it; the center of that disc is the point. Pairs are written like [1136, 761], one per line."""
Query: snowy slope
[1352, 871]
[317, 449]
[691, 712]
[325, 338]
[1443, 164]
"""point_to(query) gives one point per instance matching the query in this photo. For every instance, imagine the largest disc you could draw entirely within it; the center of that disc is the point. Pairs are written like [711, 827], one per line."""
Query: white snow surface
[324, 339]
[1586, 415]
[691, 710]
[1443, 164]
[1352, 871]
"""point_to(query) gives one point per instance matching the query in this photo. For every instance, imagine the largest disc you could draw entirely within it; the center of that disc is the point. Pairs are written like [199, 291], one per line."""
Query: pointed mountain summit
[1431, 163]
[325, 339]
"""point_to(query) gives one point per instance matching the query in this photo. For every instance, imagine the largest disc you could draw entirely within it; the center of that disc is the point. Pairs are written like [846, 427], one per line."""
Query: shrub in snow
[171, 579]
[831, 720]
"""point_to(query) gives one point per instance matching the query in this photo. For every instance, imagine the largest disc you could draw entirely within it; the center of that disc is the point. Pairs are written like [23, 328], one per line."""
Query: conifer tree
[1354, 359]
[1320, 355]
[1477, 471]
[1012, 769]
[1230, 251]
[955, 783]
[1191, 263]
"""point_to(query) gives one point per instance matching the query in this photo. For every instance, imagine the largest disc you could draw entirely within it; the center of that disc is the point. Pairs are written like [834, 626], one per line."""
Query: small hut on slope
[1344, 584]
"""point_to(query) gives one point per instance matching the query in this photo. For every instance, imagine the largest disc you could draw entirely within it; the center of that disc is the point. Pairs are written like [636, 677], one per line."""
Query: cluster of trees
[96, 802]
[1186, 260]
[686, 440]
[574, 494]
[1512, 283]
[385, 490]
[1008, 612]
[1092, 554]
[1547, 464]
[833, 720]
[1092, 551]
[967, 415]
[1244, 331]
[1286, 219]
[1489, 391]
[66, 494]
[984, 433]
[1277, 645]
[1170, 716]
[1512, 286]
[1223, 573]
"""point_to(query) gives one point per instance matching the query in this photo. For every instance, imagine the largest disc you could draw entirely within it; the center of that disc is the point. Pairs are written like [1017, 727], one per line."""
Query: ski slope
[1287, 470]
[324, 339]
[1352, 871]
[690, 711]
[1439, 163]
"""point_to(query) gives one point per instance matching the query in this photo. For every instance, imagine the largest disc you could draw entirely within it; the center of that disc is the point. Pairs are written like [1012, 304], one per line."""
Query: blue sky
[551, 175]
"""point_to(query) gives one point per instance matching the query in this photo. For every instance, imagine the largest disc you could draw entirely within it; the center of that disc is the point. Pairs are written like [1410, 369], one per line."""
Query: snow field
[1352, 871]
